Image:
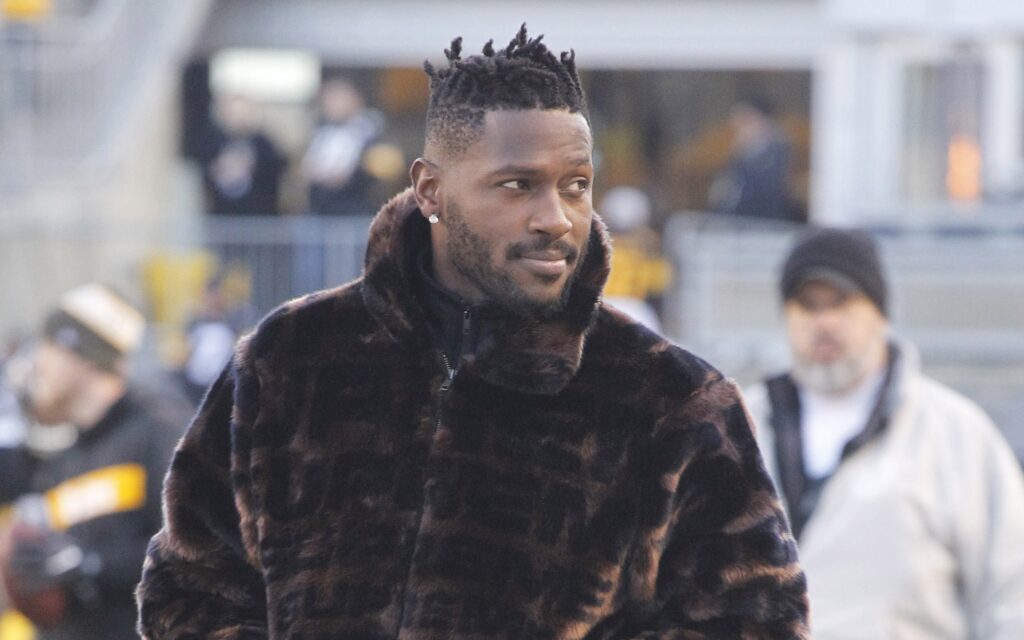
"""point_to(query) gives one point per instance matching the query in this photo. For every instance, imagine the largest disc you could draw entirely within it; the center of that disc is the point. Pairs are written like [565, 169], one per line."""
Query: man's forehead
[523, 133]
[529, 117]
[817, 291]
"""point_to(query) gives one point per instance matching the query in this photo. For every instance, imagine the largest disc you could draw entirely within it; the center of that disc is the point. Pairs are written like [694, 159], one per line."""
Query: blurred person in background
[242, 167]
[335, 163]
[345, 165]
[907, 503]
[639, 274]
[74, 537]
[756, 181]
[211, 333]
[464, 443]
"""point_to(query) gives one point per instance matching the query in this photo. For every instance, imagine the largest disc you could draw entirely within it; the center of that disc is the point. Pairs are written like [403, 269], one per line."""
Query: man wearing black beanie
[905, 500]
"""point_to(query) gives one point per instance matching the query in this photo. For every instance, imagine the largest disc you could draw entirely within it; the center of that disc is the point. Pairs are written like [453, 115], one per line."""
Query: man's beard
[471, 257]
[830, 378]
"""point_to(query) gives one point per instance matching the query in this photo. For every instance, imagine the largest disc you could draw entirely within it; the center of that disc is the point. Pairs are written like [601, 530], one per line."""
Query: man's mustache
[562, 247]
[826, 339]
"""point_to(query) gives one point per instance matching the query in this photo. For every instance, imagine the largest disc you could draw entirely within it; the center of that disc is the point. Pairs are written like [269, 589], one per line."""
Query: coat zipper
[446, 384]
[449, 374]
[449, 370]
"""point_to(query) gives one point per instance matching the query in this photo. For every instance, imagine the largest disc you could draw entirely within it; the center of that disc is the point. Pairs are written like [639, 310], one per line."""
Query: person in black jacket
[242, 167]
[756, 182]
[76, 534]
[335, 162]
[13, 427]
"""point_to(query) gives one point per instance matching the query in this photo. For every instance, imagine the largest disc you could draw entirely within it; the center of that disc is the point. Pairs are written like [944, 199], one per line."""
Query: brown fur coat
[580, 478]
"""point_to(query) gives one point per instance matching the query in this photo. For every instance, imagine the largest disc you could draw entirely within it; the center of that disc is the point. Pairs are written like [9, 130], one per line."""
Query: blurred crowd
[340, 172]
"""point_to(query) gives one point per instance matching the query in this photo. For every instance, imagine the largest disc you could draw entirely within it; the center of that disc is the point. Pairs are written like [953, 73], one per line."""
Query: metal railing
[288, 257]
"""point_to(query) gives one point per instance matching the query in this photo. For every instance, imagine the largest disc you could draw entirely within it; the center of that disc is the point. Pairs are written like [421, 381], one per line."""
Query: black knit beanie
[97, 324]
[847, 255]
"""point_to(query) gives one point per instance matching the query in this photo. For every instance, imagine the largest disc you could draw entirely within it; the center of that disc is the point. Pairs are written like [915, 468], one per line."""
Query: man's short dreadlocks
[523, 75]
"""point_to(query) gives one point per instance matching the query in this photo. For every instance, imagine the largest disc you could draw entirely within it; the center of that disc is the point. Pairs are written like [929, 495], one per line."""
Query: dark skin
[514, 209]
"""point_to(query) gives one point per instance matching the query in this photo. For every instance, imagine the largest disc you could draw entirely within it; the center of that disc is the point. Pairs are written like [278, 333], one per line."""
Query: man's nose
[550, 216]
[828, 315]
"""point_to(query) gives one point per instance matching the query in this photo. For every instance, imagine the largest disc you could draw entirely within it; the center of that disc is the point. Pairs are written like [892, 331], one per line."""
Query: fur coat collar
[522, 354]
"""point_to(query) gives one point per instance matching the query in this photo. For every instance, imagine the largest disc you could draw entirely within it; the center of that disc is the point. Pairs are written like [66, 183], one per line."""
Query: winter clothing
[13, 469]
[97, 325]
[103, 494]
[13, 428]
[575, 477]
[917, 534]
[847, 255]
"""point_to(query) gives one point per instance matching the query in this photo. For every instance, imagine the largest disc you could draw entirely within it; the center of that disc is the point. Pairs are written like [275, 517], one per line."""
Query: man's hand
[43, 567]
[48, 560]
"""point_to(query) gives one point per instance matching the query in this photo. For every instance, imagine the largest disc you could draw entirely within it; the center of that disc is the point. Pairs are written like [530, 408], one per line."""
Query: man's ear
[426, 182]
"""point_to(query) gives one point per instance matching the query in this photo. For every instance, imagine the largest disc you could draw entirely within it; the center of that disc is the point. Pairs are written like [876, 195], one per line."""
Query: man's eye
[579, 185]
[519, 185]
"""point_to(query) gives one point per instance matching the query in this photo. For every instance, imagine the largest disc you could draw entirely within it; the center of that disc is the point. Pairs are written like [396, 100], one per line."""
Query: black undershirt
[459, 326]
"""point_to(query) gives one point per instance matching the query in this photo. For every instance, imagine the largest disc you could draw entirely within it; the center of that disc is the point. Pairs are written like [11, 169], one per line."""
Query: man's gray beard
[832, 377]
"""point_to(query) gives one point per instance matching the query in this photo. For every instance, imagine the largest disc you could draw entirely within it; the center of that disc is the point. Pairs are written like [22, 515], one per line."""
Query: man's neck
[434, 285]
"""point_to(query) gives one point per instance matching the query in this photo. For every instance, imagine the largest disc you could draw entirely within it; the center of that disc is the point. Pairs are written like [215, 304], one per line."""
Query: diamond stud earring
[433, 218]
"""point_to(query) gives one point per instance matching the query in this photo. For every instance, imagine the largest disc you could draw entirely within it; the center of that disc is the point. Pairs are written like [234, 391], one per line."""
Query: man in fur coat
[464, 442]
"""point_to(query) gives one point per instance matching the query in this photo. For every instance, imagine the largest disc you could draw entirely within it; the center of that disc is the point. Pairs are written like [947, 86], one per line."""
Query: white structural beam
[606, 34]
[857, 115]
[1002, 123]
[948, 18]
[839, 132]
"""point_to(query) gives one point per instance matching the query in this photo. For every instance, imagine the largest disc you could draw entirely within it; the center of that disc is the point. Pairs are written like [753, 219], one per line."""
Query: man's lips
[550, 255]
[548, 260]
[547, 263]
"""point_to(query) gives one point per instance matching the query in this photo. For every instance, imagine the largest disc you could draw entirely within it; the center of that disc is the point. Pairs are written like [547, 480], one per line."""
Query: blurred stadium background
[905, 117]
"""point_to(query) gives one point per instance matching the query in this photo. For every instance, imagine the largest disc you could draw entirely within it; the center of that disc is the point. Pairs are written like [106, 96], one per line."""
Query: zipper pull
[447, 382]
[465, 322]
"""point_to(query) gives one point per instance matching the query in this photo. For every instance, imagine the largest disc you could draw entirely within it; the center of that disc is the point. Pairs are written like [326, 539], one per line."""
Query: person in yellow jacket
[639, 274]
